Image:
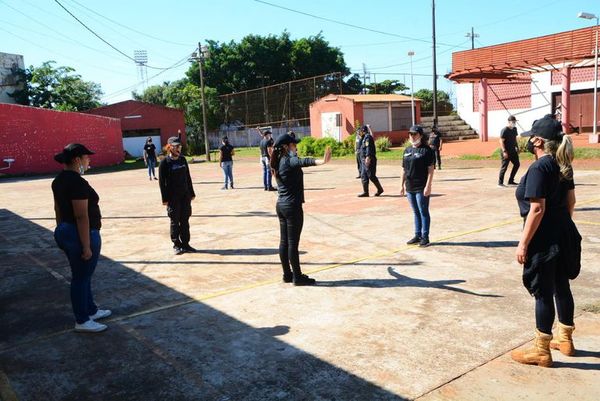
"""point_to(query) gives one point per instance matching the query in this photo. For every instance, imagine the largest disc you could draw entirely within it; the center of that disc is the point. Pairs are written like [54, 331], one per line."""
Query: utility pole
[435, 116]
[412, 84]
[200, 59]
[472, 35]
[364, 78]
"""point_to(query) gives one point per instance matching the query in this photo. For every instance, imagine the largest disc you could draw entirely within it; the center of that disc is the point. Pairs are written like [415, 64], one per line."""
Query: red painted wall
[167, 119]
[339, 105]
[32, 136]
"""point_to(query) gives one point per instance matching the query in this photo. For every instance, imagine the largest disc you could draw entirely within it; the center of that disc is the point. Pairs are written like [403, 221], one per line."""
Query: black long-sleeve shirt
[174, 179]
[368, 147]
[290, 179]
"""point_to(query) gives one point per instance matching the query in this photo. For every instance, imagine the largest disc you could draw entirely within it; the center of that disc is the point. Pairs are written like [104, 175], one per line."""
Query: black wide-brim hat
[72, 151]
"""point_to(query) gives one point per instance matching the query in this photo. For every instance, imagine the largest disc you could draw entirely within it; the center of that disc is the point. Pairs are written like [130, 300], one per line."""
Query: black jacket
[290, 179]
[174, 179]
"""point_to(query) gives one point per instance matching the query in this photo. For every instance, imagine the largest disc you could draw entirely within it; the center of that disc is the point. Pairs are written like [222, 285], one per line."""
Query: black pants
[358, 164]
[291, 220]
[554, 286]
[438, 158]
[179, 211]
[370, 173]
[513, 157]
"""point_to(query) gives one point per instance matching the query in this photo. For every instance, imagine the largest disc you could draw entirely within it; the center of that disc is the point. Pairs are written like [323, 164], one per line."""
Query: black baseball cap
[512, 118]
[546, 127]
[416, 129]
[267, 132]
[174, 141]
[365, 129]
[285, 139]
[72, 151]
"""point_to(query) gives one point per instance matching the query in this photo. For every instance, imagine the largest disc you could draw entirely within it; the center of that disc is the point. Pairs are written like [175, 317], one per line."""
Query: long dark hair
[276, 156]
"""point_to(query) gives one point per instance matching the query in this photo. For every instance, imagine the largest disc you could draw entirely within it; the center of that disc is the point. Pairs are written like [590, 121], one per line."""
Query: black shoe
[363, 195]
[424, 242]
[512, 183]
[288, 278]
[415, 240]
[357, 177]
[272, 189]
[155, 178]
[303, 279]
[188, 248]
[231, 186]
[439, 167]
[266, 189]
[177, 250]
[379, 192]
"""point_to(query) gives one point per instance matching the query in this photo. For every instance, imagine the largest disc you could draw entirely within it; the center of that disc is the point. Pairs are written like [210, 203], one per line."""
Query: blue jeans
[266, 172]
[67, 239]
[228, 173]
[420, 207]
[151, 166]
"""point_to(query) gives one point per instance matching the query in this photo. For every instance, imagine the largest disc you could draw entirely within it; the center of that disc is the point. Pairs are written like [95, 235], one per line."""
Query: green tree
[426, 96]
[353, 85]
[56, 88]
[387, 87]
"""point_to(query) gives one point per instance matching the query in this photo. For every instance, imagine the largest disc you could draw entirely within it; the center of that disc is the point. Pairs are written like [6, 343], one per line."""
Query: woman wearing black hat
[77, 233]
[418, 163]
[550, 246]
[287, 169]
[177, 194]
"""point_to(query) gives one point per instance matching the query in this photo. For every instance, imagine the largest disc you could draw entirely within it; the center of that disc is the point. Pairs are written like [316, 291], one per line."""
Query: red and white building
[528, 79]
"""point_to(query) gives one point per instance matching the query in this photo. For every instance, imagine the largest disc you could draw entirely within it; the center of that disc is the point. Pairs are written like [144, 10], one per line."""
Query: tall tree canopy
[426, 96]
[387, 87]
[57, 88]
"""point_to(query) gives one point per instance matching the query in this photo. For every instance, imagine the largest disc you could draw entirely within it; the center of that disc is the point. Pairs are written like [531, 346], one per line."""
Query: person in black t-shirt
[550, 246]
[266, 149]
[177, 194]
[368, 162]
[287, 168]
[226, 152]
[150, 158]
[510, 152]
[418, 164]
[77, 233]
[436, 143]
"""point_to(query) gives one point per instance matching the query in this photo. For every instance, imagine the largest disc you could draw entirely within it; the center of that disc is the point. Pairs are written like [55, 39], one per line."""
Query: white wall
[135, 145]
[464, 104]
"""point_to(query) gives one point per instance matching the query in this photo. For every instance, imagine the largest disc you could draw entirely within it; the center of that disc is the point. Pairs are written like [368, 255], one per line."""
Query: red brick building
[32, 136]
[335, 116]
[140, 120]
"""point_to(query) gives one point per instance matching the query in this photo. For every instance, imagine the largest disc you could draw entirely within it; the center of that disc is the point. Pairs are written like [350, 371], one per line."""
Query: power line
[101, 38]
[350, 25]
[418, 60]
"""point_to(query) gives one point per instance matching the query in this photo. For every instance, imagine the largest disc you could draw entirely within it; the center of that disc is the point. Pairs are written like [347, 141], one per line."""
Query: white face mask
[291, 153]
[511, 124]
[81, 169]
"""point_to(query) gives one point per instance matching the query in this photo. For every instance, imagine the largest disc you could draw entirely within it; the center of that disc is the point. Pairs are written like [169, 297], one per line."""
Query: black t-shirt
[543, 180]
[434, 140]
[368, 147]
[68, 186]
[510, 139]
[264, 144]
[174, 179]
[150, 151]
[226, 153]
[416, 162]
[290, 179]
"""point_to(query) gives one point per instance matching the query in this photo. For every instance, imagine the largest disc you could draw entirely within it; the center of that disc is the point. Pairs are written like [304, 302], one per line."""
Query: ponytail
[562, 151]
[275, 158]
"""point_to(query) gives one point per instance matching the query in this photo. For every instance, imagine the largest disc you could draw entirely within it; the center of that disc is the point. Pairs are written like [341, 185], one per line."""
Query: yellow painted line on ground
[6, 391]
[586, 223]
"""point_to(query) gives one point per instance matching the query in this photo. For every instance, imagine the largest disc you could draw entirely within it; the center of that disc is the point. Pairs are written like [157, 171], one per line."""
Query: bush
[348, 144]
[310, 146]
[305, 147]
[522, 144]
[383, 144]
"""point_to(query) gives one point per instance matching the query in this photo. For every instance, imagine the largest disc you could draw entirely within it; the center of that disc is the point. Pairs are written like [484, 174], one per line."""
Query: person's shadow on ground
[400, 280]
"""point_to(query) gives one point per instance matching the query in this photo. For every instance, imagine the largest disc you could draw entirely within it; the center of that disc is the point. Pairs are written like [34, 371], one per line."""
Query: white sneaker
[101, 314]
[90, 327]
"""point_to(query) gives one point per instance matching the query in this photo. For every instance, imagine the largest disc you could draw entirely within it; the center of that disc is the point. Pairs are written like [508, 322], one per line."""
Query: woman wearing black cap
[150, 158]
[77, 233]
[550, 246]
[177, 194]
[287, 169]
[418, 164]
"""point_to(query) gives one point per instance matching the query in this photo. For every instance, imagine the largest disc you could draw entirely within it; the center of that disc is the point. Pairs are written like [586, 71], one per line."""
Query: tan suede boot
[539, 354]
[564, 342]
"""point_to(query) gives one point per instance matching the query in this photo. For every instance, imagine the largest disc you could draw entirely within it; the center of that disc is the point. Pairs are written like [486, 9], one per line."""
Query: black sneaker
[512, 183]
[363, 195]
[272, 189]
[178, 250]
[357, 177]
[303, 279]
[188, 248]
[288, 278]
[424, 242]
[415, 240]
[379, 192]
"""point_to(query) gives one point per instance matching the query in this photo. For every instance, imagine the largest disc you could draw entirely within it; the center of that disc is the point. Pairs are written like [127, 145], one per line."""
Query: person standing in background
[150, 158]
[510, 151]
[357, 147]
[368, 161]
[266, 149]
[226, 152]
[436, 142]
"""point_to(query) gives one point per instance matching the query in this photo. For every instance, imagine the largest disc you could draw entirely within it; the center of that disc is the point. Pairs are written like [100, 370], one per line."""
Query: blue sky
[40, 30]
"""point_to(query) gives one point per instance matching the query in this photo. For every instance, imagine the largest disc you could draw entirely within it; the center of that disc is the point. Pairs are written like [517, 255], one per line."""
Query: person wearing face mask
[177, 194]
[418, 163]
[287, 169]
[226, 152]
[550, 245]
[266, 149]
[510, 152]
[436, 142]
[368, 163]
[150, 158]
[77, 233]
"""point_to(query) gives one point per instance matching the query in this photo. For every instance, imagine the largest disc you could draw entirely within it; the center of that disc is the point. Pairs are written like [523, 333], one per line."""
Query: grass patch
[592, 308]
[126, 165]
[580, 153]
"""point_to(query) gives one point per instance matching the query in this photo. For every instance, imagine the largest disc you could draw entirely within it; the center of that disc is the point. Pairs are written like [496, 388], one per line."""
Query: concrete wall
[7, 78]
[333, 104]
[32, 136]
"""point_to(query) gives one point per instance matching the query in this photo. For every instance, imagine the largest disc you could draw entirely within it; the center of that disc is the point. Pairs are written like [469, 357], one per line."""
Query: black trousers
[179, 211]
[438, 158]
[513, 157]
[291, 220]
[370, 173]
[358, 164]
[554, 287]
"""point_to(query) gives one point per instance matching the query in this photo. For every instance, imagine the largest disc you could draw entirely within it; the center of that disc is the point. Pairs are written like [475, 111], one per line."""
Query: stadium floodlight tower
[594, 137]
[141, 59]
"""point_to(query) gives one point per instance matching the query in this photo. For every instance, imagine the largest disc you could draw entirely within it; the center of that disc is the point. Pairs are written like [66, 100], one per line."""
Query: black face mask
[530, 146]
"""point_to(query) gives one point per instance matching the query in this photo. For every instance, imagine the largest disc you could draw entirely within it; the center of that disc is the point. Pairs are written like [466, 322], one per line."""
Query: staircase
[452, 127]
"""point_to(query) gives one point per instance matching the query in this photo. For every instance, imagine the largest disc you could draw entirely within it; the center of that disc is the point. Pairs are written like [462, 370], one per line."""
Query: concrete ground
[386, 322]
